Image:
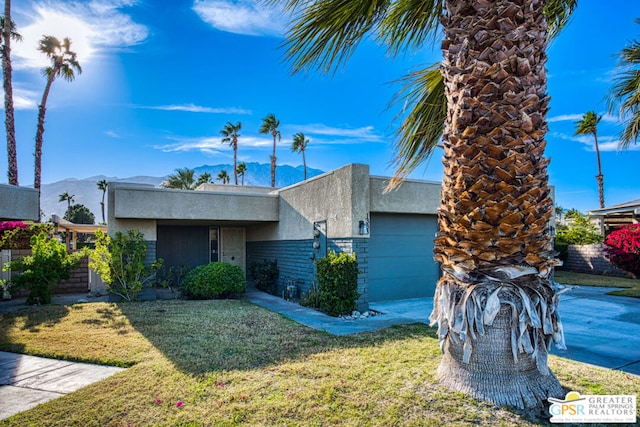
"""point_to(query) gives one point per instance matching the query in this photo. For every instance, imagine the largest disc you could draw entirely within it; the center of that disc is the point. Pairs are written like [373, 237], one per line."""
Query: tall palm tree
[270, 126]
[8, 33]
[242, 169]
[230, 135]
[625, 93]
[102, 186]
[183, 179]
[588, 124]
[64, 63]
[224, 177]
[69, 198]
[495, 305]
[299, 145]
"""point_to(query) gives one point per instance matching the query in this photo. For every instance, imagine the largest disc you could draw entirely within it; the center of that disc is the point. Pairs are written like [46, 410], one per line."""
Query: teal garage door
[401, 264]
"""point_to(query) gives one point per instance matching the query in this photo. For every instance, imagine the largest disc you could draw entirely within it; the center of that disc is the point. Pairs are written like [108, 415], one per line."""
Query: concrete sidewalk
[27, 381]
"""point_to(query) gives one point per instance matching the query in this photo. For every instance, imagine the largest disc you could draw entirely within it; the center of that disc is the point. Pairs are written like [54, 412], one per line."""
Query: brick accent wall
[590, 259]
[296, 261]
[77, 283]
[294, 257]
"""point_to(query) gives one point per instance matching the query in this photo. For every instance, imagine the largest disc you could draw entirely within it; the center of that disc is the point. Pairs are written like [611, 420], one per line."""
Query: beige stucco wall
[18, 203]
[340, 197]
[415, 197]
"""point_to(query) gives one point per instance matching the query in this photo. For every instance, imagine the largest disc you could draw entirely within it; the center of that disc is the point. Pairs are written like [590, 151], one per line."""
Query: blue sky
[162, 77]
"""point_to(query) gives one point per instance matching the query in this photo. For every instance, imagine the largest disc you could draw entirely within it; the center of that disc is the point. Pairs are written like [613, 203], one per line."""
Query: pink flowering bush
[17, 234]
[623, 248]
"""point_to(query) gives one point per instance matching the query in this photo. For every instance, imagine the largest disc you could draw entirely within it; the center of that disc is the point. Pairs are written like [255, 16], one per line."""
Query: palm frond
[587, 124]
[12, 29]
[423, 95]
[409, 24]
[558, 14]
[326, 33]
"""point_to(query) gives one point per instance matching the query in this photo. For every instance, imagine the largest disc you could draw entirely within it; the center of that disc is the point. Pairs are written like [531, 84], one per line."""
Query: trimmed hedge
[337, 283]
[214, 280]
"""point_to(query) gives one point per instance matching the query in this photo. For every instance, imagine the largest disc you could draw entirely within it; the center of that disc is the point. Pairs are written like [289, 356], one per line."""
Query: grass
[631, 286]
[233, 363]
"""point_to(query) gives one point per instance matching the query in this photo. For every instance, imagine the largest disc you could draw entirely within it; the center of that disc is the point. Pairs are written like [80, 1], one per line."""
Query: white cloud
[605, 143]
[246, 17]
[112, 134]
[192, 108]
[606, 117]
[321, 134]
[92, 27]
[22, 99]
[211, 145]
[564, 118]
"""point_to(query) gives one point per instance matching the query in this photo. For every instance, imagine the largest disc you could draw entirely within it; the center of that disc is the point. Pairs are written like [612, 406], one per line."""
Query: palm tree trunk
[273, 161]
[304, 162]
[235, 161]
[495, 305]
[42, 110]
[599, 177]
[8, 97]
[104, 221]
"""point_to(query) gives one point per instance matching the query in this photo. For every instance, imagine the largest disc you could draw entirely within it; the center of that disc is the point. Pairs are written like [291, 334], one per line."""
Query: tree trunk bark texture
[496, 305]
[12, 173]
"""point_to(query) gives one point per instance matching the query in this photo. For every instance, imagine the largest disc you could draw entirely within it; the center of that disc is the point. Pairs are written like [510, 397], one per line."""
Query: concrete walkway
[27, 381]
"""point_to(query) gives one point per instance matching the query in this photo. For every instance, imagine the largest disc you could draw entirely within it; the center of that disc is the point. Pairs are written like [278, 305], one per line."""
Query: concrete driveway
[599, 329]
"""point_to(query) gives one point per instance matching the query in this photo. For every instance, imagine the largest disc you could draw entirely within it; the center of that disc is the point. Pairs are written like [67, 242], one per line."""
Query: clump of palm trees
[184, 179]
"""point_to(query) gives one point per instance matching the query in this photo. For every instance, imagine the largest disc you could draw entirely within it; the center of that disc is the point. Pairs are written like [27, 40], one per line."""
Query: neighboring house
[616, 216]
[343, 210]
[18, 203]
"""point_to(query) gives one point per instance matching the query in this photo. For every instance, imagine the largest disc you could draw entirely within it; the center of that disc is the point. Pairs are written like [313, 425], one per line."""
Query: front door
[233, 246]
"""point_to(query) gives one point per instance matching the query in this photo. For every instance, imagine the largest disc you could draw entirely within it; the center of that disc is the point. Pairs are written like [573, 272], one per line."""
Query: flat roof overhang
[168, 204]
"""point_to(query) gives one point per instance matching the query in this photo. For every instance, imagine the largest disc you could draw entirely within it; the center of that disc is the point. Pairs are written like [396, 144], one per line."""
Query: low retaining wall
[590, 259]
[77, 283]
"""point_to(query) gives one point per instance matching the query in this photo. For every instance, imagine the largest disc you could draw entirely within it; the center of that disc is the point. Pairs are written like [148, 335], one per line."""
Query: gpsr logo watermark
[593, 409]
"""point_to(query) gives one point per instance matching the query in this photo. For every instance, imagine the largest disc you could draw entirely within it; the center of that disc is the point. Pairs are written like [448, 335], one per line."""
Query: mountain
[85, 191]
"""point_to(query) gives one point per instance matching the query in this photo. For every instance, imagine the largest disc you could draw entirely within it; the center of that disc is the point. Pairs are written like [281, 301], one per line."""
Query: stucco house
[18, 203]
[344, 210]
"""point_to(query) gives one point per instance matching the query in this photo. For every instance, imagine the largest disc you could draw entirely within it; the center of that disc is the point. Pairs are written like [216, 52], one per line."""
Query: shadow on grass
[199, 337]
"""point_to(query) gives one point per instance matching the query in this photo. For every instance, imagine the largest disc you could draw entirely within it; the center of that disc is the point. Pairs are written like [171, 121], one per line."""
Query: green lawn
[631, 286]
[233, 363]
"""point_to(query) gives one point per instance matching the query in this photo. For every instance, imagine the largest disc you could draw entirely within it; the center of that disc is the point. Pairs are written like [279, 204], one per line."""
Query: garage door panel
[401, 264]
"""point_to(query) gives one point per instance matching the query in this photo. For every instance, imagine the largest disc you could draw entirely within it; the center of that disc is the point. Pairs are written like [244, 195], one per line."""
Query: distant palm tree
[299, 145]
[69, 198]
[183, 179]
[102, 185]
[224, 177]
[230, 134]
[64, 63]
[625, 93]
[8, 33]
[270, 125]
[204, 178]
[585, 126]
[242, 169]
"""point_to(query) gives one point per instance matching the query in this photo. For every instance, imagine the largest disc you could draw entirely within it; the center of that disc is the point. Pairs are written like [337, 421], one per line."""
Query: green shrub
[42, 271]
[337, 283]
[265, 274]
[119, 261]
[214, 280]
[580, 232]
